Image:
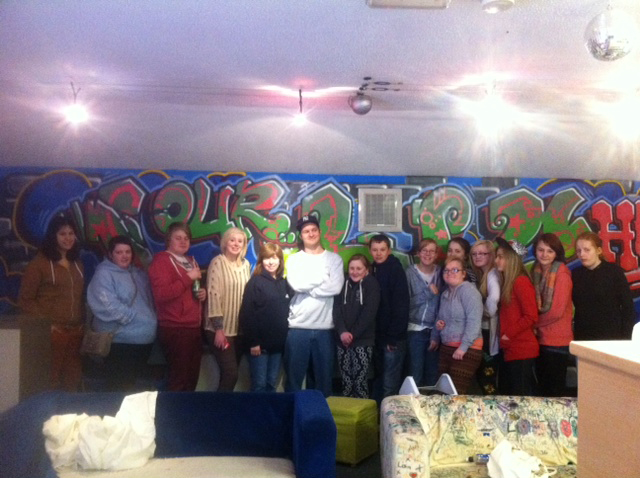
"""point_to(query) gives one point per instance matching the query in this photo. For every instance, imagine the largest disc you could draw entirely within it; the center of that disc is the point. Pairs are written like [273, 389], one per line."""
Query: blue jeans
[388, 370]
[265, 369]
[309, 346]
[423, 363]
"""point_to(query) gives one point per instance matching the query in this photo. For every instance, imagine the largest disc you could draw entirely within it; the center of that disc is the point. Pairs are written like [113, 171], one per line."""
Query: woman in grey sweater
[458, 326]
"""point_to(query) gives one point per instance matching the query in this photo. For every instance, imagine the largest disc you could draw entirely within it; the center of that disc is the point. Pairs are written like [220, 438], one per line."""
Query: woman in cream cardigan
[227, 276]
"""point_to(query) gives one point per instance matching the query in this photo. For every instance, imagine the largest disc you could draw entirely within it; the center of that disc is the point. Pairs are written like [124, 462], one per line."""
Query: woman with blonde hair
[488, 283]
[518, 317]
[227, 277]
[263, 317]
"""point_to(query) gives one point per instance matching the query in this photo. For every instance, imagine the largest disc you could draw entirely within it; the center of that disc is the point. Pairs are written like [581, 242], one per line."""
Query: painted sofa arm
[405, 446]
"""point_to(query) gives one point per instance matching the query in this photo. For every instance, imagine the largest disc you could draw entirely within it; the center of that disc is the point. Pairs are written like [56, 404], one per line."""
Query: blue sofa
[297, 426]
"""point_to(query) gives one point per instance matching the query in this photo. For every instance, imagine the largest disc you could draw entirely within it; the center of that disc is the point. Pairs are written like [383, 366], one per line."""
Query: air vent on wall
[379, 210]
[408, 3]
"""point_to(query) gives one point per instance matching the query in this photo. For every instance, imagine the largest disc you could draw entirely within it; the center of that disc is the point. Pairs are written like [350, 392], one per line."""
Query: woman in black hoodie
[263, 317]
[354, 318]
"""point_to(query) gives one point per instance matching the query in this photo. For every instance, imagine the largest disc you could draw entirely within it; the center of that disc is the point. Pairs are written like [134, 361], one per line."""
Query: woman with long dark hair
[553, 285]
[119, 296]
[52, 288]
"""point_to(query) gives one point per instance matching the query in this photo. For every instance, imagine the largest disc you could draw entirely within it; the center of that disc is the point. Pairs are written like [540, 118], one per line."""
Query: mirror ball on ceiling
[610, 35]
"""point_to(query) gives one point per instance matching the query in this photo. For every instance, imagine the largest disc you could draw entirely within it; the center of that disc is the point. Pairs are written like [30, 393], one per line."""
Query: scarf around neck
[545, 284]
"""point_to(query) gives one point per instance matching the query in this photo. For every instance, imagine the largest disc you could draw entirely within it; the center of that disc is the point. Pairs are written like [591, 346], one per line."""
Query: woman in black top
[603, 304]
[263, 317]
[354, 318]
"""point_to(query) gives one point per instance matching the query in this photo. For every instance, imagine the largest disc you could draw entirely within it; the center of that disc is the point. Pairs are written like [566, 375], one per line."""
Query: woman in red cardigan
[518, 317]
[553, 285]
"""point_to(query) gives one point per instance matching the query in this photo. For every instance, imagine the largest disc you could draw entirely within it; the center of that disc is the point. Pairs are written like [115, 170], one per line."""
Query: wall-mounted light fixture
[495, 6]
[360, 103]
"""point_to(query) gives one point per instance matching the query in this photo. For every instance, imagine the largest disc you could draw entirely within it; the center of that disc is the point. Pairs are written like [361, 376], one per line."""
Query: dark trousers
[516, 377]
[182, 349]
[227, 360]
[551, 371]
[124, 365]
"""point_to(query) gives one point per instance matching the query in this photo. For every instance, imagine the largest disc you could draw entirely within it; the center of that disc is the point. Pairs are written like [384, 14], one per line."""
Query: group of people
[479, 314]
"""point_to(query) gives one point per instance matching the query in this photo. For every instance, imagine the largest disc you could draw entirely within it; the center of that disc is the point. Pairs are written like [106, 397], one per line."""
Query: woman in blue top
[120, 298]
[263, 317]
[424, 279]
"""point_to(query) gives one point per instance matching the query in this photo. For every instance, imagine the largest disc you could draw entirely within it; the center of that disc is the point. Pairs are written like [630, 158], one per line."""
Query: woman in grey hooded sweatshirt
[458, 326]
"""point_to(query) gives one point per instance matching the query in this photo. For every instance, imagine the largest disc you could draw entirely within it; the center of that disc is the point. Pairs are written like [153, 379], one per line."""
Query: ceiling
[213, 85]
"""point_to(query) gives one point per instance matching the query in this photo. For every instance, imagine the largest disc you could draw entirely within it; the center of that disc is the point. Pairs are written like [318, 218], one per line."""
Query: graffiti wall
[141, 204]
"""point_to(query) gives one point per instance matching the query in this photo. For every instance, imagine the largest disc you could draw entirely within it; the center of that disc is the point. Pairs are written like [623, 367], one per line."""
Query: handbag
[98, 344]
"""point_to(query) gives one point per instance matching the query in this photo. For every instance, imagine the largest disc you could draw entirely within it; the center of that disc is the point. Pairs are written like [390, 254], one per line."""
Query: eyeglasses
[455, 270]
[427, 252]
[479, 254]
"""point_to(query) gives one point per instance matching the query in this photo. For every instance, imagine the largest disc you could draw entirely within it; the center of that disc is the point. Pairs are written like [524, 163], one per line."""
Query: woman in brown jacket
[51, 288]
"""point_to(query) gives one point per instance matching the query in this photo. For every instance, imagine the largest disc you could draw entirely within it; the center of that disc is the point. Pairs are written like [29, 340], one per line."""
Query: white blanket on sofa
[110, 443]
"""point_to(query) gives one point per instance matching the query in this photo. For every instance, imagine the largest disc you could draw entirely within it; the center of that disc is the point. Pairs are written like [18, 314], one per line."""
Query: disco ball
[610, 35]
[360, 103]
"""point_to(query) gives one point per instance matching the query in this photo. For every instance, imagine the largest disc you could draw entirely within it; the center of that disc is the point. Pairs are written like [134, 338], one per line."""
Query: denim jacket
[423, 307]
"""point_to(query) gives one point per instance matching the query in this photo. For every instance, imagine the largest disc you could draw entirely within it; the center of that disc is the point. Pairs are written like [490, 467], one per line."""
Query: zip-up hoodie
[354, 310]
[53, 291]
[393, 312]
[423, 307]
[264, 312]
[461, 309]
[120, 299]
[171, 288]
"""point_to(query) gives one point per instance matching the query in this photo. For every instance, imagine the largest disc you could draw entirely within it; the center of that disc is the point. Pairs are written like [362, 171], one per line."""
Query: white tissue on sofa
[110, 443]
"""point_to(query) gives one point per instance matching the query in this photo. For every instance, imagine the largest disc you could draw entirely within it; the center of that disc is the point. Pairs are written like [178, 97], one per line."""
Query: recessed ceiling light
[495, 6]
[408, 3]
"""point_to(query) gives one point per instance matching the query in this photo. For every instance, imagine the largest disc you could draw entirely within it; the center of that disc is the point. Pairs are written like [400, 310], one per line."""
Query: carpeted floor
[368, 468]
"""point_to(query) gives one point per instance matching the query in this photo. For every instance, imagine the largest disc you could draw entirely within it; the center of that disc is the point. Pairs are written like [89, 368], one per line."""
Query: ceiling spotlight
[360, 103]
[495, 6]
[610, 35]
[75, 113]
[300, 119]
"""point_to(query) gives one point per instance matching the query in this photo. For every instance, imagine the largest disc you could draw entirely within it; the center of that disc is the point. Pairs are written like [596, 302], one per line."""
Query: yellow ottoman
[357, 423]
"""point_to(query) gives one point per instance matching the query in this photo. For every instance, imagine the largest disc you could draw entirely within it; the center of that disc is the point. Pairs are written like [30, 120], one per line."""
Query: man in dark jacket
[392, 318]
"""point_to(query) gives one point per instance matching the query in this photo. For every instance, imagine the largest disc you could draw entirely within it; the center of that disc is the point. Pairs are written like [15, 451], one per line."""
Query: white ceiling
[213, 84]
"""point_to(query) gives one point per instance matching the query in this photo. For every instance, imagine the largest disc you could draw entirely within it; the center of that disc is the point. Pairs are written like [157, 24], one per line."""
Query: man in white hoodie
[316, 275]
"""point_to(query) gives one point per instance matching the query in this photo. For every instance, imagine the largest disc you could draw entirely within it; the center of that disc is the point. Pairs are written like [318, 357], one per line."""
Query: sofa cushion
[198, 467]
[459, 427]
